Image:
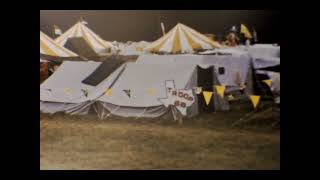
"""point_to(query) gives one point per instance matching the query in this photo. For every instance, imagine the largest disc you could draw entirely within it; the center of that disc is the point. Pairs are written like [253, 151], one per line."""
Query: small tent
[49, 47]
[80, 30]
[182, 39]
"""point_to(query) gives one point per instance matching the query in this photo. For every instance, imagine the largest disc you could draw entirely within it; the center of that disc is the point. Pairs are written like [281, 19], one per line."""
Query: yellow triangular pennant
[109, 92]
[268, 82]
[151, 91]
[207, 96]
[244, 30]
[220, 90]
[255, 100]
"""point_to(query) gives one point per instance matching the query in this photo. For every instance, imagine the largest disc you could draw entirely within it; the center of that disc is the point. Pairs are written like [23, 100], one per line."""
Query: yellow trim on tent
[46, 49]
[176, 48]
[204, 38]
[159, 46]
[192, 43]
[58, 46]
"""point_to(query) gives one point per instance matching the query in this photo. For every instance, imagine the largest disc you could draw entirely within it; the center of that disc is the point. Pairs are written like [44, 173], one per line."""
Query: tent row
[79, 40]
[66, 90]
[84, 42]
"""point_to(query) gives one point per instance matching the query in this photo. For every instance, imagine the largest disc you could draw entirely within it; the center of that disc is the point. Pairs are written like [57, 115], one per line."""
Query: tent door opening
[205, 80]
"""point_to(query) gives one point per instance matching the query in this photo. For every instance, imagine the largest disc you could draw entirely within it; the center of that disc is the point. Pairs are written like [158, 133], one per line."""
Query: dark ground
[209, 141]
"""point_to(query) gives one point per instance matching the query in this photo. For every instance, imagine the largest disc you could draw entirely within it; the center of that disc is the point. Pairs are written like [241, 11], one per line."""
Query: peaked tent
[182, 39]
[99, 45]
[49, 47]
[138, 79]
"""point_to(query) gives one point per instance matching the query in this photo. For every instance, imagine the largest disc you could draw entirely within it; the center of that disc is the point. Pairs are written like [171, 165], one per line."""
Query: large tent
[182, 39]
[231, 70]
[99, 45]
[49, 47]
[141, 78]
[70, 95]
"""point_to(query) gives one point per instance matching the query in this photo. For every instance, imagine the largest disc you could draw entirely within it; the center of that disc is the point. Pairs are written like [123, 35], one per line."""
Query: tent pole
[141, 114]
[111, 112]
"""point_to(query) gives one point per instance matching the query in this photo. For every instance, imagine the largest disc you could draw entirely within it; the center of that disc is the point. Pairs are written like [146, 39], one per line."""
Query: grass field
[207, 142]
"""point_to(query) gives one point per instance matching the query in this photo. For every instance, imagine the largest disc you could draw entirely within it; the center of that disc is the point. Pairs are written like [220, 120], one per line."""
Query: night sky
[137, 25]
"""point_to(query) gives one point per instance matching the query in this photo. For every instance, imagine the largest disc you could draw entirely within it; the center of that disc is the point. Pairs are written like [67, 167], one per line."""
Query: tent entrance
[205, 80]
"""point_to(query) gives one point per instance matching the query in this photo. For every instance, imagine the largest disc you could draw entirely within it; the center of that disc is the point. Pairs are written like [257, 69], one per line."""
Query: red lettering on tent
[174, 93]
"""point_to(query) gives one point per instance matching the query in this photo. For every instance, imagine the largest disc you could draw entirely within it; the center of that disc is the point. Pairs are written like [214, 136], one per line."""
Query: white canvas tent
[138, 78]
[181, 39]
[65, 92]
[99, 45]
[50, 48]
[234, 66]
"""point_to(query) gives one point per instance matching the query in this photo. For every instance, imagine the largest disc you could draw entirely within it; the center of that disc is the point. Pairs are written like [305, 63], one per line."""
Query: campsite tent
[99, 45]
[182, 39]
[231, 70]
[140, 79]
[49, 47]
[65, 91]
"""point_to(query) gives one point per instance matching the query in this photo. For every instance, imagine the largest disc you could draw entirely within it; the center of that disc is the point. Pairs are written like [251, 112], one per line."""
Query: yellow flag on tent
[207, 96]
[244, 30]
[255, 100]
[67, 90]
[268, 82]
[220, 90]
[109, 92]
[151, 91]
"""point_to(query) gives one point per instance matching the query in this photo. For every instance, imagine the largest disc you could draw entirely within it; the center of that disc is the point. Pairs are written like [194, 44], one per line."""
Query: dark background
[137, 25]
